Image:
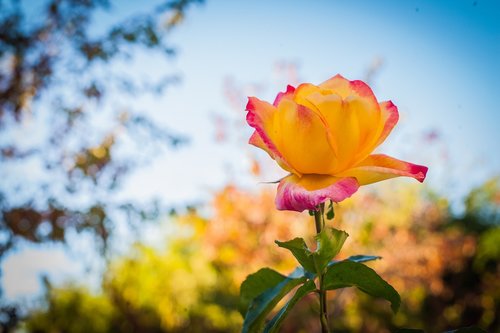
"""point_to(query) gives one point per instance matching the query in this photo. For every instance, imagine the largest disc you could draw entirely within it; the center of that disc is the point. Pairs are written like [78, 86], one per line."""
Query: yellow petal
[301, 95]
[353, 117]
[301, 137]
[261, 117]
[303, 91]
[370, 125]
[343, 125]
[339, 85]
[257, 141]
[345, 88]
[380, 167]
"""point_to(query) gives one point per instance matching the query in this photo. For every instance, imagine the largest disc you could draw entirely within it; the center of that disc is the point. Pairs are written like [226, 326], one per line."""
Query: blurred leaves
[471, 329]
[488, 249]
[53, 83]
[199, 271]
[51, 224]
[483, 207]
[95, 313]
[69, 128]
[93, 159]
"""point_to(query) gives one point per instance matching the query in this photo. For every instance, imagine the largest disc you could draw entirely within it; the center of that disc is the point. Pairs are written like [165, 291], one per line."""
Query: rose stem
[323, 314]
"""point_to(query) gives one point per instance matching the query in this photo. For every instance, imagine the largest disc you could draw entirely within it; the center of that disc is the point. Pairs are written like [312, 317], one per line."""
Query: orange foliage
[427, 256]
[240, 236]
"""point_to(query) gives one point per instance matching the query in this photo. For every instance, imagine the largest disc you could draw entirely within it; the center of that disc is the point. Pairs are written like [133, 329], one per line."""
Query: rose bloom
[324, 136]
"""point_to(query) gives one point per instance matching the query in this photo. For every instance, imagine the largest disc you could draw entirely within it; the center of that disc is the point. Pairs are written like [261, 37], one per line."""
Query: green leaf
[363, 258]
[265, 289]
[330, 242]
[349, 274]
[275, 323]
[356, 258]
[330, 214]
[255, 284]
[300, 251]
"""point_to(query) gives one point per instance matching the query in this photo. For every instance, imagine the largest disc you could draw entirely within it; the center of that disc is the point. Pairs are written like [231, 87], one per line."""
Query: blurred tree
[95, 313]
[65, 142]
[446, 270]
[187, 285]
[448, 276]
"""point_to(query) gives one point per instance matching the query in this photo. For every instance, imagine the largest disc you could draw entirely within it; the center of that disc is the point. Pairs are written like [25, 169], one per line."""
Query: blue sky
[441, 67]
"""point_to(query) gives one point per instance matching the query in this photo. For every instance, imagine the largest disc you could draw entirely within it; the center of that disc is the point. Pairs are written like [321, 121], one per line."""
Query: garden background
[131, 201]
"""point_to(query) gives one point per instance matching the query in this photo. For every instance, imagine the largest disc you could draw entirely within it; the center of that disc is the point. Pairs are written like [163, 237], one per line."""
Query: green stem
[318, 220]
[323, 313]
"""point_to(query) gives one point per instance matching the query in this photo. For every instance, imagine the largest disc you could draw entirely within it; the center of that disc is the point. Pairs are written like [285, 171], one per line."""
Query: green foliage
[330, 213]
[274, 324]
[482, 202]
[330, 241]
[301, 252]
[471, 329]
[261, 305]
[95, 313]
[261, 291]
[348, 274]
[488, 248]
[257, 283]
[176, 290]
[482, 208]
[181, 289]
[59, 73]
[265, 288]
[358, 258]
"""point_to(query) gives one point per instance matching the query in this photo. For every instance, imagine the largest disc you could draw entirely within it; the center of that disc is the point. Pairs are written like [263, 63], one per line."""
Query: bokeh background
[131, 202]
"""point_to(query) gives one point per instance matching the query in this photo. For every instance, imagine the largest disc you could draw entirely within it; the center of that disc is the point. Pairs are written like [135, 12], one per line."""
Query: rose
[324, 136]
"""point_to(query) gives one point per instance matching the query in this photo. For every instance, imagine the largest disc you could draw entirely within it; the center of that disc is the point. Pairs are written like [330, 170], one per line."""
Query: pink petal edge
[291, 196]
[390, 121]
[289, 92]
[362, 89]
[395, 166]
[255, 120]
